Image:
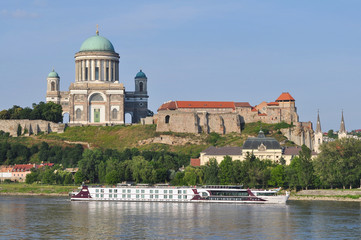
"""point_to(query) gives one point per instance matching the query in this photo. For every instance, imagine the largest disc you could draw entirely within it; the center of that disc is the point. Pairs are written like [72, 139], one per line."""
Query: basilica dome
[97, 43]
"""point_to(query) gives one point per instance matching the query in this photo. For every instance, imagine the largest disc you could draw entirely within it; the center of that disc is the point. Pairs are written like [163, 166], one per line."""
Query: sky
[199, 50]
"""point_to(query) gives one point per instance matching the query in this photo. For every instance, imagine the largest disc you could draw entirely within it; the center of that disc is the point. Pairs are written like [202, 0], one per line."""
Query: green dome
[53, 74]
[97, 43]
[140, 74]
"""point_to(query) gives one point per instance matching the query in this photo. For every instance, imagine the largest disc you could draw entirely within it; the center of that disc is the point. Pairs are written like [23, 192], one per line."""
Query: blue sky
[195, 50]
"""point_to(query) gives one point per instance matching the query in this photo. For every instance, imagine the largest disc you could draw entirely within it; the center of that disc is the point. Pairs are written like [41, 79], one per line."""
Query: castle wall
[177, 122]
[30, 126]
[301, 133]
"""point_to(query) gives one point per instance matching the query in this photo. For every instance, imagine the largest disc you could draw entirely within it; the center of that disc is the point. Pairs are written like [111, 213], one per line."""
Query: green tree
[277, 176]
[305, 168]
[226, 173]
[19, 130]
[211, 171]
[79, 177]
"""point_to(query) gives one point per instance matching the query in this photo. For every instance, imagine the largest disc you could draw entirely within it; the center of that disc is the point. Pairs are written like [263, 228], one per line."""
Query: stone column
[82, 70]
[104, 73]
[76, 70]
[109, 70]
[92, 70]
[113, 66]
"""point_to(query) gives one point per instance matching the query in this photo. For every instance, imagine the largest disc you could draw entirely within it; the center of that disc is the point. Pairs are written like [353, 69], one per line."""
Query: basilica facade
[97, 97]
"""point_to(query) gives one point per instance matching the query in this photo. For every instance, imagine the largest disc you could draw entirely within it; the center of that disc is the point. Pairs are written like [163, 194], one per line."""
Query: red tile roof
[195, 104]
[254, 110]
[262, 114]
[273, 104]
[195, 162]
[285, 96]
[242, 104]
[22, 167]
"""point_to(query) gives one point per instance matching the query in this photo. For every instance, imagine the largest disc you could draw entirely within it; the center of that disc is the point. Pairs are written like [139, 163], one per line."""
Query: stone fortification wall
[300, 134]
[29, 127]
[198, 122]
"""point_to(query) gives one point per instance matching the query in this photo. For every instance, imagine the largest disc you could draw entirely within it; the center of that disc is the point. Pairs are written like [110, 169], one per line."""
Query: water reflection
[44, 217]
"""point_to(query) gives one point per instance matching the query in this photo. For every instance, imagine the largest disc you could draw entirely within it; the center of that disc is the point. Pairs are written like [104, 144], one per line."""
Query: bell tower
[318, 135]
[53, 87]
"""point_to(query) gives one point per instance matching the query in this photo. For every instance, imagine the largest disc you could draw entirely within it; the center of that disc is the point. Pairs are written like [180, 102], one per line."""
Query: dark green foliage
[212, 138]
[19, 130]
[45, 111]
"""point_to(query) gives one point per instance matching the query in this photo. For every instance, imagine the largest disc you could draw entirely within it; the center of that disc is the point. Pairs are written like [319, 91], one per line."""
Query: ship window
[179, 191]
[110, 195]
[110, 190]
[102, 190]
[123, 195]
[165, 196]
[142, 195]
[128, 196]
[184, 191]
[150, 191]
[142, 191]
[179, 196]
[97, 195]
[101, 195]
[170, 191]
[156, 196]
[137, 196]
[165, 191]
[156, 191]
[151, 196]
[115, 190]
[115, 195]
[137, 191]
[170, 196]
[128, 190]
[96, 190]
[185, 196]
[167, 119]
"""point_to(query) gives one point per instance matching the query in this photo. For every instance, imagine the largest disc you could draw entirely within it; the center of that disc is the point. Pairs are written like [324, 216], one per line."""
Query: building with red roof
[222, 117]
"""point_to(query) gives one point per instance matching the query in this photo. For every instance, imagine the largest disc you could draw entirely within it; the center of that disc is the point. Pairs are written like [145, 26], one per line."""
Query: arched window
[319, 141]
[52, 86]
[141, 87]
[115, 113]
[78, 114]
[96, 97]
[167, 119]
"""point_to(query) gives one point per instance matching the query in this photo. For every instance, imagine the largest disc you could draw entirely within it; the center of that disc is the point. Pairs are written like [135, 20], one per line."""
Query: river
[23, 217]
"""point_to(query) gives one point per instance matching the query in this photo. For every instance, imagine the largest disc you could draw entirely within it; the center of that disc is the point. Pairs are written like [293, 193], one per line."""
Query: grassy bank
[328, 194]
[34, 189]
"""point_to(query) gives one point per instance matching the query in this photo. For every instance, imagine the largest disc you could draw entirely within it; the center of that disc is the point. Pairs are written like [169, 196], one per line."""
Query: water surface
[56, 217]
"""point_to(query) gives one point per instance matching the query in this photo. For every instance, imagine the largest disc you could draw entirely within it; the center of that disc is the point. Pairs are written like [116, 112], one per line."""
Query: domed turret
[53, 74]
[140, 74]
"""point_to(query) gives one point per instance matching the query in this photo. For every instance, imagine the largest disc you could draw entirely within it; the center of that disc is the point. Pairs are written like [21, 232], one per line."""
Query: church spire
[318, 128]
[342, 127]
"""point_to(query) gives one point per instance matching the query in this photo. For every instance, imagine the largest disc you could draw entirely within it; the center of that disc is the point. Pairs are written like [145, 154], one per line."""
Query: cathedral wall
[31, 126]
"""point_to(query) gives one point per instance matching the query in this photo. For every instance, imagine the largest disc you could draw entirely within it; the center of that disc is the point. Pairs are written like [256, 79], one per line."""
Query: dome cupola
[97, 43]
[53, 74]
[140, 74]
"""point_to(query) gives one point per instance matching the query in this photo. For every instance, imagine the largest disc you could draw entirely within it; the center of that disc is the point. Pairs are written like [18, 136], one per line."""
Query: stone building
[97, 97]
[261, 147]
[223, 117]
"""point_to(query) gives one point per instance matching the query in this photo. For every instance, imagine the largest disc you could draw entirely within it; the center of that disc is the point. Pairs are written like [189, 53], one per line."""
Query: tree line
[43, 111]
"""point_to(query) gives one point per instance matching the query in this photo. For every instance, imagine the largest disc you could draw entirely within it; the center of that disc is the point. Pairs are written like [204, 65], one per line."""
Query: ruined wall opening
[167, 118]
[66, 117]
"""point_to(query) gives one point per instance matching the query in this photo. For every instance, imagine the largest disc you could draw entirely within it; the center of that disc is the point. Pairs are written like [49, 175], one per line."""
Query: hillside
[145, 137]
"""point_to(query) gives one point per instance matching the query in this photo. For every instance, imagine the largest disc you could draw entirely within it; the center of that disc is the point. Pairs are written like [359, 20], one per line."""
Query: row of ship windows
[141, 196]
[141, 191]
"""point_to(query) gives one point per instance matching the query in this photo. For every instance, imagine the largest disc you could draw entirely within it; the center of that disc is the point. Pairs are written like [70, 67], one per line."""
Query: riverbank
[349, 195]
[35, 189]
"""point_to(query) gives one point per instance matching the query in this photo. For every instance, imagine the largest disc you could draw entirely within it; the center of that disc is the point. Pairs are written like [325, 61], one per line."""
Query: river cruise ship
[210, 194]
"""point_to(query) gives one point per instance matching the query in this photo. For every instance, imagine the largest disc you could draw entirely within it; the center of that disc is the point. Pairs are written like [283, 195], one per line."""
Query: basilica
[97, 97]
